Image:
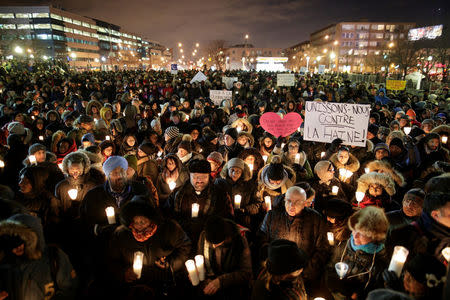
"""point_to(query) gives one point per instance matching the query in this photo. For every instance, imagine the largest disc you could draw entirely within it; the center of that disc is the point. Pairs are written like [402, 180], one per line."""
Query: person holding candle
[295, 158]
[337, 213]
[147, 166]
[107, 149]
[343, 159]
[227, 259]
[431, 150]
[185, 153]
[364, 253]
[378, 188]
[412, 207]
[172, 171]
[209, 141]
[245, 139]
[266, 144]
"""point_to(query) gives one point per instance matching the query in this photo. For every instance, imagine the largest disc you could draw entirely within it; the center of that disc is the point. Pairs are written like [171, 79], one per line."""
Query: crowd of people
[111, 181]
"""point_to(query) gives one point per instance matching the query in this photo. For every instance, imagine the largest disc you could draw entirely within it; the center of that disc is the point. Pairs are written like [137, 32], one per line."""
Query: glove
[391, 280]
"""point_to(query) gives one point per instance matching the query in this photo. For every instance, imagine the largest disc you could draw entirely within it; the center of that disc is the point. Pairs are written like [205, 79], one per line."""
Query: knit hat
[427, 270]
[88, 137]
[215, 229]
[275, 171]
[285, 257]
[209, 135]
[370, 221]
[373, 129]
[430, 136]
[397, 142]
[186, 145]
[321, 168]
[337, 208]
[16, 128]
[200, 166]
[215, 157]
[35, 148]
[132, 161]
[172, 132]
[381, 146]
[85, 119]
[236, 163]
[232, 132]
[148, 148]
[113, 162]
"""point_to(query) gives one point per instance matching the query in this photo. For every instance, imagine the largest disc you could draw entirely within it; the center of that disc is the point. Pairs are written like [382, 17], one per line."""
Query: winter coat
[294, 291]
[325, 191]
[264, 190]
[307, 230]
[397, 219]
[161, 183]
[230, 152]
[382, 166]
[147, 167]
[384, 200]
[302, 169]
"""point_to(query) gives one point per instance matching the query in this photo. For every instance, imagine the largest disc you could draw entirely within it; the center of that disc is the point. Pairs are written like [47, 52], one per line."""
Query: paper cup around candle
[342, 173]
[172, 185]
[297, 158]
[330, 237]
[111, 215]
[250, 166]
[193, 275]
[444, 139]
[322, 154]
[200, 264]
[334, 190]
[407, 130]
[398, 260]
[60, 166]
[319, 298]
[108, 138]
[32, 159]
[237, 201]
[446, 253]
[73, 193]
[265, 158]
[138, 262]
[159, 153]
[341, 269]
[195, 209]
[268, 202]
[366, 170]
[41, 138]
[359, 196]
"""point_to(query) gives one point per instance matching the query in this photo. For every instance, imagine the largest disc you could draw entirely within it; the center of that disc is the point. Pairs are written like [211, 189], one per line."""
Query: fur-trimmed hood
[287, 161]
[382, 166]
[291, 174]
[246, 174]
[259, 161]
[77, 156]
[92, 103]
[376, 178]
[245, 122]
[442, 129]
[249, 136]
[352, 164]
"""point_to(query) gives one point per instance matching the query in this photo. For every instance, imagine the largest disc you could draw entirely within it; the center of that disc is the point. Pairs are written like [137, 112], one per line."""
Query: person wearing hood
[82, 125]
[129, 145]
[266, 144]
[345, 162]
[64, 147]
[106, 115]
[255, 161]
[13, 159]
[430, 151]
[186, 155]
[412, 207]
[209, 141]
[378, 189]
[231, 148]
[107, 149]
[87, 140]
[295, 158]
[172, 171]
[337, 213]
[172, 138]
[164, 244]
[404, 156]
[27, 263]
[93, 109]
[227, 259]
[215, 159]
[245, 139]
[132, 174]
[129, 118]
[147, 165]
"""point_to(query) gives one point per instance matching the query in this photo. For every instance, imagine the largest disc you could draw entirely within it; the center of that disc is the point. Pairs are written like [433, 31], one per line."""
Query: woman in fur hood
[382, 166]
[242, 125]
[172, 171]
[378, 189]
[344, 160]
[443, 130]
[245, 139]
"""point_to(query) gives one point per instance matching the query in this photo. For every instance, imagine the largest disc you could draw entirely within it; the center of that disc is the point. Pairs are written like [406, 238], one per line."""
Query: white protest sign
[199, 77]
[326, 121]
[285, 79]
[173, 69]
[217, 96]
[321, 69]
[229, 81]
[303, 70]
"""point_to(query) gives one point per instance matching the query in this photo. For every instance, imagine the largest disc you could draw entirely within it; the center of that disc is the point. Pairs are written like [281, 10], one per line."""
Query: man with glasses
[412, 207]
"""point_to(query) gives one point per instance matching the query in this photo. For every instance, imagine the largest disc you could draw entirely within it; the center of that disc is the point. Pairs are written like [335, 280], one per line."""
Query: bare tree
[375, 62]
[404, 55]
[214, 51]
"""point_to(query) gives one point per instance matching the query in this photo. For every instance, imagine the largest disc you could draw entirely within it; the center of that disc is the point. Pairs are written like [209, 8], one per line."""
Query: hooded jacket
[384, 200]
[263, 188]
[382, 166]
[161, 183]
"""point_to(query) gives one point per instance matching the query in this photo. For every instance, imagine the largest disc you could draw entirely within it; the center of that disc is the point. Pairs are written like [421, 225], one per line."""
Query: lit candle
[341, 269]
[297, 158]
[32, 159]
[237, 201]
[172, 185]
[95, 120]
[138, 261]
[444, 139]
[33, 117]
[446, 253]
[108, 138]
[398, 260]
[322, 154]
[41, 137]
[265, 158]
[319, 298]
[159, 153]
[342, 174]
[268, 202]
[110, 214]
[366, 170]
[407, 130]
[250, 166]
[282, 145]
[330, 237]
[334, 190]
[193, 275]
[359, 196]
[195, 209]
[73, 193]
[239, 129]
[2, 164]
[60, 166]
[200, 264]
[348, 174]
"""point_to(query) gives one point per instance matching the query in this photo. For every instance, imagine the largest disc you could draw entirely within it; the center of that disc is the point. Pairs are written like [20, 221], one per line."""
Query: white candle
[190, 266]
[348, 174]
[108, 138]
[297, 158]
[195, 209]
[159, 153]
[322, 154]
[172, 185]
[359, 196]
[41, 138]
[265, 158]
[334, 190]
[250, 166]
[60, 166]
[446, 253]
[366, 170]
[110, 214]
[73, 193]
[444, 139]
[398, 260]
[268, 202]
[407, 130]
[239, 129]
[342, 174]
[341, 269]
[237, 201]
[319, 298]
[138, 262]
[200, 264]
[32, 159]
[33, 117]
[330, 237]
[282, 145]
[2, 164]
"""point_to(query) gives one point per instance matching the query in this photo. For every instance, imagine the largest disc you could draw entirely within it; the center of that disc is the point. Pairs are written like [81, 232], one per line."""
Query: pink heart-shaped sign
[274, 124]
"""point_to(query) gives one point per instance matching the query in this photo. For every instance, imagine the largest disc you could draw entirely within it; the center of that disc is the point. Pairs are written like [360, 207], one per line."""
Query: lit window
[68, 20]
[68, 29]
[56, 17]
[76, 31]
[44, 36]
[7, 26]
[348, 27]
[41, 26]
[86, 25]
[7, 16]
[40, 15]
[76, 22]
[24, 26]
[85, 33]
[26, 16]
[57, 27]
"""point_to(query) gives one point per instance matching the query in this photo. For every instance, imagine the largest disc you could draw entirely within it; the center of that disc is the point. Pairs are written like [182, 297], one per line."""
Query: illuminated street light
[96, 59]
[197, 45]
[391, 44]
[181, 50]
[327, 37]
[293, 57]
[73, 55]
[182, 56]
[246, 36]
[180, 44]
[103, 58]
[29, 50]
[18, 50]
[45, 57]
[319, 58]
[325, 50]
[335, 43]
[430, 58]
[332, 55]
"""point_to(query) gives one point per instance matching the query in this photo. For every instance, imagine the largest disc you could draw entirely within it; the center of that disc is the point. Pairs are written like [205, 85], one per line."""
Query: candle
[341, 269]
[319, 298]
[322, 154]
[297, 158]
[95, 120]
[237, 201]
[32, 159]
[282, 145]
[190, 266]
[138, 261]
[2, 164]
[366, 170]
[159, 153]
[407, 130]
[265, 158]
[110, 214]
[33, 117]
[73, 193]
[172, 185]
[60, 166]
[200, 264]
[250, 166]
[444, 139]
[398, 260]
[446, 253]
[330, 237]
[108, 138]
[195, 209]
[334, 190]
[239, 129]
[41, 138]
[342, 173]
[268, 202]
[359, 196]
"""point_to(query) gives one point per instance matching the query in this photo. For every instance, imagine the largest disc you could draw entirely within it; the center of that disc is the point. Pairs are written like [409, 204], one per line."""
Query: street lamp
[197, 45]
[332, 55]
[246, 36]
[180, 44]
[325, 50]
[335, 43]
[391, 44]
[73, 55]
[18, 50]
[327, 37]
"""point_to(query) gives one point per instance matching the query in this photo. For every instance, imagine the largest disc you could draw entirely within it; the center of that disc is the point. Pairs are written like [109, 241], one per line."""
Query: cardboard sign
[395, 85]
[173, 69]
[321, 69]
[199, 77]
[229, 81]
[277, 126]
[326, 121]
[285, 79]
[217, 96]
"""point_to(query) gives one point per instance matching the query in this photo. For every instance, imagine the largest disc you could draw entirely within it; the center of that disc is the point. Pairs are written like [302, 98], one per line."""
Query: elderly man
[305, 227]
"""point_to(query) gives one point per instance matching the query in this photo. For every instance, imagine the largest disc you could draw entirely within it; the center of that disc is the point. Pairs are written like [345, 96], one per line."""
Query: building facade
[244, 57]
[45, 32]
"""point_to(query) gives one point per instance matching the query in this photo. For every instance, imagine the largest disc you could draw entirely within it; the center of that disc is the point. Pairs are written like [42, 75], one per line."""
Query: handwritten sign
[199, 77]
[217, 96]
[173, 69]
[277, 126]
[395, 85]
[326, 121]
[303, 70]
[285, 79]
[229, 81]
[321, 69]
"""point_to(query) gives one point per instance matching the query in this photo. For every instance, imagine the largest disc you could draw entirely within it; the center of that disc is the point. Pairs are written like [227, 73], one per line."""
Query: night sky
[269, 23]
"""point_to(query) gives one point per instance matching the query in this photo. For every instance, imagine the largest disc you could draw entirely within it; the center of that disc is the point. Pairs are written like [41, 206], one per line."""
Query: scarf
[185, 158]
[369, 248]
[265, 179]
[145, 234]
[118, 197]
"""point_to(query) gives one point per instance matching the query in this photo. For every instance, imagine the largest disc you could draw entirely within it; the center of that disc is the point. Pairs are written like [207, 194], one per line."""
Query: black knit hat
[215, 229]
[148, 148]
[138, 206]
[425, 266]
[275, 171]
[337, 208]
[186, 145]
[35, 148]
[430, 136]
[200, 166]
[397, 142]
[232, 132]
[373, 129]
[285, 257]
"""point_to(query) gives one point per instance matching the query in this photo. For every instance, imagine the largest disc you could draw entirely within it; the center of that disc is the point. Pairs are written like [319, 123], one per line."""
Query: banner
[285, 79]
[199, 77]
[173, 69]
[395, 85]
[217, 96]
[326, 121]
[229, 81]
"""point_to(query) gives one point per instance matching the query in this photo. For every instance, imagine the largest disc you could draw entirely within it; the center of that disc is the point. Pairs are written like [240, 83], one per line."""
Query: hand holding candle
[110, 214]
[200, 264]
[334, 190]
[73, 193]
[359, 196]
[268, 202]
[444, 139]
[250, 166]
[446, 253]
[330, 237]
[193, 275]
[237, 201]
[195, 209]
[2, 164]
[172, 185]
[297, 158]
[398, 260]
[32, 159]
[265, 158]
[138, 262]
